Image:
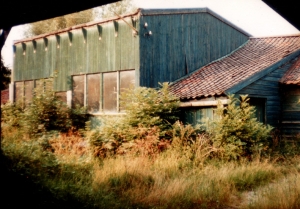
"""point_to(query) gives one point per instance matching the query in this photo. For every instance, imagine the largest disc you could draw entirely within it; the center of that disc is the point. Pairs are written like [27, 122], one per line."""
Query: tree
[237, 132]
[58, 23]
[5, 75]
[120, 7]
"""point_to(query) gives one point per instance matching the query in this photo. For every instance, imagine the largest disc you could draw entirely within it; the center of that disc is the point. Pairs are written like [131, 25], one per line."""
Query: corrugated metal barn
[205, 56]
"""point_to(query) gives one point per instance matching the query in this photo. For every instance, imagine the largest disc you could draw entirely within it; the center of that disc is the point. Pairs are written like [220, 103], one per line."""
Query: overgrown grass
[65, 167]
[147, 161]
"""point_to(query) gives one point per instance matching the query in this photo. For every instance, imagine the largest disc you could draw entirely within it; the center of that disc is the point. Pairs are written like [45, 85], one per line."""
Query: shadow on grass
[18, 191]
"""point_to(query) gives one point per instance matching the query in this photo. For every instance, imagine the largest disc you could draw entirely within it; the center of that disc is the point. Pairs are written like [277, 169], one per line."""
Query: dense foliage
[149, 159]
[5, 75]
[150, 114]
[237, 133]
[57, 23]
[44, 113]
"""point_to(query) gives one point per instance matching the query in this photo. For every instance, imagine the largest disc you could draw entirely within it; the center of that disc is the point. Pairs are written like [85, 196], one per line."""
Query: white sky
[253, 16]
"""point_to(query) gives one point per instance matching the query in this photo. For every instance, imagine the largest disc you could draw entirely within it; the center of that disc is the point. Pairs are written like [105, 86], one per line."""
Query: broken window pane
[93, 92]
[62, 96]
[19, 90]
[78, 91]
[110, 92]
[29, 86]
[127, 80]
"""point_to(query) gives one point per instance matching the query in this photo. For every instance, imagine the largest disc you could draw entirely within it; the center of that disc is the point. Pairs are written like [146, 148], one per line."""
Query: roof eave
[242, 84]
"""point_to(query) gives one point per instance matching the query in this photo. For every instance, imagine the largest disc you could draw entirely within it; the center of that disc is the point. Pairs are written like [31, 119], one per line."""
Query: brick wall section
[4, 96]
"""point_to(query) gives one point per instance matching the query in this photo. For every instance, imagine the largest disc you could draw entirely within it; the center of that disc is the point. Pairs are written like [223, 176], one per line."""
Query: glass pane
[18, 91]
[127, 80]
[62, 96]
[110, 92]
[93, 92]
[78, 91]
[29, 86]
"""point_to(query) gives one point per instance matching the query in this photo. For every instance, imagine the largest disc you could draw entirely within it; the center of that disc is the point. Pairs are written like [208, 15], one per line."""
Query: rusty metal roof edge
[83, 25]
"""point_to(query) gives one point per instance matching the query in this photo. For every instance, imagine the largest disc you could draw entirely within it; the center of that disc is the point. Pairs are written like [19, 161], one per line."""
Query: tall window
[100, 91]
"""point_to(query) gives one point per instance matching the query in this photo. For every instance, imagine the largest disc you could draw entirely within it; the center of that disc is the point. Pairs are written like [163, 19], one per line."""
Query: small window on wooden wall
[260, 106]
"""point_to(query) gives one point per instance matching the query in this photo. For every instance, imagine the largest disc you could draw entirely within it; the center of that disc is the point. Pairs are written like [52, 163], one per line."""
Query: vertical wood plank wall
[181, 44]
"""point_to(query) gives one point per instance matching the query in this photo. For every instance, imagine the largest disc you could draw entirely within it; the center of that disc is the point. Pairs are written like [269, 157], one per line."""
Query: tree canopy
[58, 23]
[5, 75]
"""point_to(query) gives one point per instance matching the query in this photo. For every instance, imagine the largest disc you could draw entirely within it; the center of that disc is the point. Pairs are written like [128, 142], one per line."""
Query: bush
[237, 133]
[44, 113]
[150, 107]
[150, 114]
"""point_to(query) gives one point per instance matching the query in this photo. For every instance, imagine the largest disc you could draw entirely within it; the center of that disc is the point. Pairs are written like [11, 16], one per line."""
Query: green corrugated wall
[117, 49]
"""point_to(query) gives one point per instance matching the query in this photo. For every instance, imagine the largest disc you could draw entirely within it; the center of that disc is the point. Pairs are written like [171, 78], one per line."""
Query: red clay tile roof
[253, 57]
[292, 76]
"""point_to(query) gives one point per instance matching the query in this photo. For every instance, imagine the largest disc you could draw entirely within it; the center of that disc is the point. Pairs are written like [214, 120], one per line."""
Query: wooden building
[256, 69]
[205, 56]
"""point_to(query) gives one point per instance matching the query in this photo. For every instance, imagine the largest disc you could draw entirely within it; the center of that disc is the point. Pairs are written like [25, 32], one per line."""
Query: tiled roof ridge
[276, 36]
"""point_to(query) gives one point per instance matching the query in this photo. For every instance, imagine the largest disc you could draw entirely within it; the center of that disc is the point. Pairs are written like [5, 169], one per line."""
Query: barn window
[78, 90]
[25, 90]
[100, 92]
[19, 91]
[93, 92]
[28, 91]
[110, 91]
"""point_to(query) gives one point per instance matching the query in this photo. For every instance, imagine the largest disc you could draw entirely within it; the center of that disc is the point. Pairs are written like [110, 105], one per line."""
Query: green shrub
[150, 114]
[237, 133]
[150, 107]
[44, 113]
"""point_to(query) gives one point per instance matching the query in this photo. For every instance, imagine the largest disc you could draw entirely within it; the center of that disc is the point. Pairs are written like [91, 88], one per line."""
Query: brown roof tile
[255, 56]
[292, 76]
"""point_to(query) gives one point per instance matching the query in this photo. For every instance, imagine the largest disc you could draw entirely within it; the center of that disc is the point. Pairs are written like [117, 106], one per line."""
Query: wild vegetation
[149, 159]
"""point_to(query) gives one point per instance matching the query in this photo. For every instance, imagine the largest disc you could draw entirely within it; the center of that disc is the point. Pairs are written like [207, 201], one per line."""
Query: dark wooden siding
[107, 47]
[291, 110]
[181, 44]
[268, 88]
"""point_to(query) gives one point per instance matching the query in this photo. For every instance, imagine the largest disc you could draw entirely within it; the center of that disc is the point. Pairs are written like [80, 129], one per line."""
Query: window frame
[101, 110]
